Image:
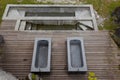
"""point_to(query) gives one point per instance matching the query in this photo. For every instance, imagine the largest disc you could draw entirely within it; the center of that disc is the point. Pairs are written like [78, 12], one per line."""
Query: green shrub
[116, 39]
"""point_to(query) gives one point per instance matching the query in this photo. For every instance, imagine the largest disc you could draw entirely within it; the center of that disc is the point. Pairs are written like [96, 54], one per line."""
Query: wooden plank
[8, 25]
[18, 51]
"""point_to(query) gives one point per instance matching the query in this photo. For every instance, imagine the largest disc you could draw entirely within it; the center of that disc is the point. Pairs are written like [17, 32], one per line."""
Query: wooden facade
[101, 53]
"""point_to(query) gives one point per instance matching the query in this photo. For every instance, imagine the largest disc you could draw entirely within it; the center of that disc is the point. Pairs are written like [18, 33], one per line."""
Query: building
[22, 24]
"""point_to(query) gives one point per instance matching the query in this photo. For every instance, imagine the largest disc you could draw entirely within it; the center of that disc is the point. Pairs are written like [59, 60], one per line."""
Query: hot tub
[41, 55]
[76, 55]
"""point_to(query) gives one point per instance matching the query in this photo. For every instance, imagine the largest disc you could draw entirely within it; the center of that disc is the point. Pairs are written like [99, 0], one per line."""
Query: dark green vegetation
[115, 34]
[116, 37]
[105, 8]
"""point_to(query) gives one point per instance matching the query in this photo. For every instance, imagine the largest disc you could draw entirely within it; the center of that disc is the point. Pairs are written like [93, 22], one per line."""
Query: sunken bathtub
[41, 55]
[76, 55]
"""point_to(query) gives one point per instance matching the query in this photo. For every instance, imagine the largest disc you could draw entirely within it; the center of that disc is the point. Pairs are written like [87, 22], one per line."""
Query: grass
[103, 7]
[3, 4]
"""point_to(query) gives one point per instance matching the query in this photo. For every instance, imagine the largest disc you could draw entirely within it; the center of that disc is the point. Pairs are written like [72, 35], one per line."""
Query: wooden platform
[100, 52]
[8, 25]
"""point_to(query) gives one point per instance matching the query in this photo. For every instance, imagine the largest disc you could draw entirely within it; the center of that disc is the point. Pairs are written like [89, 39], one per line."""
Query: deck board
[100, 54]
[8, 25]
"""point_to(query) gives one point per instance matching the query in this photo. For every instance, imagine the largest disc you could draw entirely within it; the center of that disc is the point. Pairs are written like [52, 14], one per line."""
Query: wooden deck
[8, 25]
[100, 51]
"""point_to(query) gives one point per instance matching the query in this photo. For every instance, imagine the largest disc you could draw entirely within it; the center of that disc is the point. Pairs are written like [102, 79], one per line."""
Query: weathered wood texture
[8, 25]
[100, 53]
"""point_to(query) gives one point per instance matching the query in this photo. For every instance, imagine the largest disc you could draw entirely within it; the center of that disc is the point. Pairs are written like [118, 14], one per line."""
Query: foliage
[109, 24]
[116, 19]
[115, 38]
[116, 15]
[92, 76]
[117, 32]
[105, 8]
[33, 77]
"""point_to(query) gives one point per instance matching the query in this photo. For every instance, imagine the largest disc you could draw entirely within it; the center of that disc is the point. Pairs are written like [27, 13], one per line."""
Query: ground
[103, 7]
